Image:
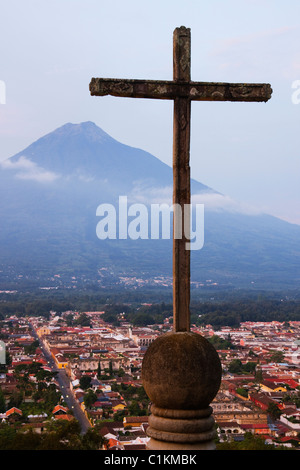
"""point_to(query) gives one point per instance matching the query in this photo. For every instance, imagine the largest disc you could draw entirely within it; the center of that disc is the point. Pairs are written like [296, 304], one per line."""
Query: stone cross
[182, 91]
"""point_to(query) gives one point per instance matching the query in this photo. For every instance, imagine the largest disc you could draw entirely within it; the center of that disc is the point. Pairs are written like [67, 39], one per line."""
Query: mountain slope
[49, 194]
[86, 152]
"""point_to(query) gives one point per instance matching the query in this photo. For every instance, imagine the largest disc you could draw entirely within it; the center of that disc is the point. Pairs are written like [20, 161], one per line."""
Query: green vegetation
[250, 442]
[59, 435]
[273, 411]
[277, 356]
[220, 343]
[135, 397]
[233, 313]
[32, 398]
[216, 314]
[147, 307]
[236, 367]
[242, 392]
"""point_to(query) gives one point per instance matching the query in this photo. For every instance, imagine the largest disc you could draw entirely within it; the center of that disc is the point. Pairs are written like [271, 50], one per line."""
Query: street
[64, 384]
[72, 404]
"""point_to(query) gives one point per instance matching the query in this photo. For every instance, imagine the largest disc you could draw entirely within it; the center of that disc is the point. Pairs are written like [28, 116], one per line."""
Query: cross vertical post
[181, 182]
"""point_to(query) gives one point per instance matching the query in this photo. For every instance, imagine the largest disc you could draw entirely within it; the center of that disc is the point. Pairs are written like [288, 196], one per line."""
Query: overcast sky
[248, 151]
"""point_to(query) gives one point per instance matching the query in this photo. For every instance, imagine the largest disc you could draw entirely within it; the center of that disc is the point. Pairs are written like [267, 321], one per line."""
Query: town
[77, 367]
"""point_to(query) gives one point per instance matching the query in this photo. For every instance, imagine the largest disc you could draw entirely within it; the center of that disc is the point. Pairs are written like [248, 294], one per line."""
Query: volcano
[50, 192]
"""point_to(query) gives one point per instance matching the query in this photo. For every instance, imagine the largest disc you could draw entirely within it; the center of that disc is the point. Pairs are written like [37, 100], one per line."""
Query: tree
[83, 320]
[250, 442]
[241, 391]
[11, 439]
[89, 398]
[142, 319]
[235, 366]
[119, 415]
[15, 400]
[134, 409]
[85, 382]
[258, 374]
[2, 402]
[99, 370]
[273, 411]
[121, 372]
[277, 356]
[249, 367]
[92, 440]
[7, 436]
[62, 435]
[31, 348]
[220, 343]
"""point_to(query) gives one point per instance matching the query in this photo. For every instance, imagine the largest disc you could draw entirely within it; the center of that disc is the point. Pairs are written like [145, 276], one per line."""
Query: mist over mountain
[50, 192]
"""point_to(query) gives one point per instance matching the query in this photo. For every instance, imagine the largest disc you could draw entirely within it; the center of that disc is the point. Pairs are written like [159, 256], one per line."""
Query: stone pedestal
[181, 375]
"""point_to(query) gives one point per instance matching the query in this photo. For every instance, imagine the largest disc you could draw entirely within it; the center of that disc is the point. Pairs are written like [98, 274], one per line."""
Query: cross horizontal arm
[168, 90]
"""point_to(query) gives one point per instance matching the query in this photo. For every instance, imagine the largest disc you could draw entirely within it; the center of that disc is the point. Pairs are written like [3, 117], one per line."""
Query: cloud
[218, 202]
[28, 170]
[143, 194]
[212, 201]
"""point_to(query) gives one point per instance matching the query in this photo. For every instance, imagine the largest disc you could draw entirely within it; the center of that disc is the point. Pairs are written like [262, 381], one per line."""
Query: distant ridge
[49, 193]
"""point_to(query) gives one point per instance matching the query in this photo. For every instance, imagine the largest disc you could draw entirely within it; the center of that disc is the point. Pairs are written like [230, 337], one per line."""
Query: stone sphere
[181, 371]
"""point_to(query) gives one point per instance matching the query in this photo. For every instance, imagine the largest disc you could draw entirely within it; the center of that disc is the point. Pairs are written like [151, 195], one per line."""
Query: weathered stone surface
[161, 445]
[181, 371]
[182, 426]
[169, 90]
[181, 180]
[181, 375]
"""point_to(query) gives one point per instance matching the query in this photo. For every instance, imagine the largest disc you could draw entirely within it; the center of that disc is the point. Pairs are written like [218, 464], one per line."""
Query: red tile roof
[13, 410]
[59, 408]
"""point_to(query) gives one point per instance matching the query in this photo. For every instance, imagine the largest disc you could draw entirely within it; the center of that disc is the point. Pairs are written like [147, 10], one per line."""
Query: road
[64, 384]
[71, 402]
